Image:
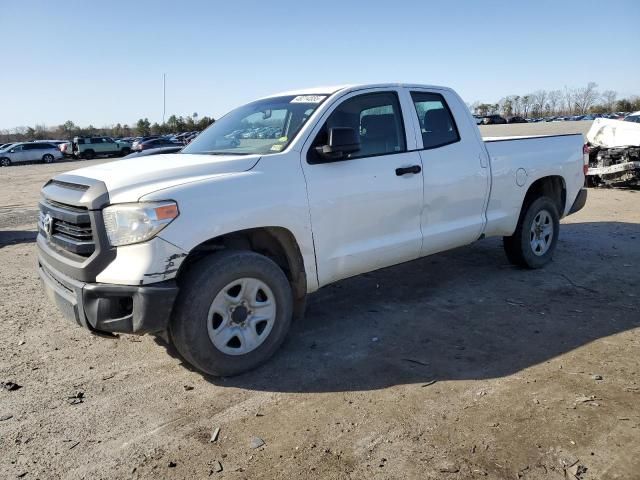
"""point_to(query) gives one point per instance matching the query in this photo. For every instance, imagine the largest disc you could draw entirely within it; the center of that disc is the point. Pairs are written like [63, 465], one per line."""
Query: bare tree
[585, 97]
[516, 105]
[555, 100]
[539, 101]
[526, 101]
[506, 106]
[569, 100]
[609, 98]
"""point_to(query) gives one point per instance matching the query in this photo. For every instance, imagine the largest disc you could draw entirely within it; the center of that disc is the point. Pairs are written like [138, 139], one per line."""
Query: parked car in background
[52, 142]
[139, 140]
[493, 120]
[90, 147]
[181, 137]
[155, 151]
[190, 138]
[6, 145]
[517, 120]
[154, 143]
[634, 117]
[29, 152]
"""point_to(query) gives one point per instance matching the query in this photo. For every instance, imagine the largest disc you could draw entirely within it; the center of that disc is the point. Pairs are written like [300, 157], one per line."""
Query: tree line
[568, 101]
[143, 127]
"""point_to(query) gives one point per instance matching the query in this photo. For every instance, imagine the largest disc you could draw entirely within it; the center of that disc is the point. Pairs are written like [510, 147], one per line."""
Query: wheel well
[276, 243]
[552, 187]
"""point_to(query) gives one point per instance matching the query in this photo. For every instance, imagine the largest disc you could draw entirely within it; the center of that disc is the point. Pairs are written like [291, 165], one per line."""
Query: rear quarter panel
[539, 157]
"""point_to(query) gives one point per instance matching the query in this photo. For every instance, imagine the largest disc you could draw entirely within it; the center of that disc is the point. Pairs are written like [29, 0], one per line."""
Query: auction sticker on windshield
[308, 99]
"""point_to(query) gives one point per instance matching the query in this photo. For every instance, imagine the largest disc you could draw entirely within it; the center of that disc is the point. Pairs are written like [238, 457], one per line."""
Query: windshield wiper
[224, 153]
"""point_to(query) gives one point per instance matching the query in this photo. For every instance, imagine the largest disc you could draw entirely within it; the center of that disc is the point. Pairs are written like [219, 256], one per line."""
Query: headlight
[129, 223]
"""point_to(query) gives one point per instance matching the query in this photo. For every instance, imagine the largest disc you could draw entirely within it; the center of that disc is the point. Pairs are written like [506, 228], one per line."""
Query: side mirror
[342, 141]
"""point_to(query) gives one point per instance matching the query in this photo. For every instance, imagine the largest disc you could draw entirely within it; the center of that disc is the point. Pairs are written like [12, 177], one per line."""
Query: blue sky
[102, 62]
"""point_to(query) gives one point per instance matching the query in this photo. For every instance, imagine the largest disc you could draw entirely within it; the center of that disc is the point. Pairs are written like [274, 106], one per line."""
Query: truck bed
[525, 137]
[515, 161]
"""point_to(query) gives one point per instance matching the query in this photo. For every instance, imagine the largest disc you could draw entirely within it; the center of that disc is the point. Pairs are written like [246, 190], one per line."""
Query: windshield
[262, 127]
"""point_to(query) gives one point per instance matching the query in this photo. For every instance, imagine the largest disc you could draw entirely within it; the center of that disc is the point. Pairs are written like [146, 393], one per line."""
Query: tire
[125, 151]
[533, 243]
[89, 154]
[5, 162]
[195, 323]
[48, 158]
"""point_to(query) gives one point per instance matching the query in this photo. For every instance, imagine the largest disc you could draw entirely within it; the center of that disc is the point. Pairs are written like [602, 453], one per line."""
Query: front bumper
[110, 308]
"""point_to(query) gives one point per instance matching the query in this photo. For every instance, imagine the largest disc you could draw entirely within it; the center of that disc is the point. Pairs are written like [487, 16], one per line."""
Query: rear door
[365, 212]
[98, 145]
[33, 151]
[38, 150]
[456, 173]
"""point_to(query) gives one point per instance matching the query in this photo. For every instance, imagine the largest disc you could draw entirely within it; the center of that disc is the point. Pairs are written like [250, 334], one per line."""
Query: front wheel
[89, 154]
[534, 241]
[5, 162]
[233, 312]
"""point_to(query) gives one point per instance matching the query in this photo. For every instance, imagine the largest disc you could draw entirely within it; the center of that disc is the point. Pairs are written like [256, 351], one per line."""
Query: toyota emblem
[47, 224]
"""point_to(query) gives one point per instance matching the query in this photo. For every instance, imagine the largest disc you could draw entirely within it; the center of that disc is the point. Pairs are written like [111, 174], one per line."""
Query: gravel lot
[534, 371]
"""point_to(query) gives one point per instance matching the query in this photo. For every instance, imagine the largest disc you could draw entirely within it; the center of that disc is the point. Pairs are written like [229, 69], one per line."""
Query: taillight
[585, 158]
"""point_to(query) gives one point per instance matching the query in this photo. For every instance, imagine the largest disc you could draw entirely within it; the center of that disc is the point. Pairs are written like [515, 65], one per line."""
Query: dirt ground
[456, 366]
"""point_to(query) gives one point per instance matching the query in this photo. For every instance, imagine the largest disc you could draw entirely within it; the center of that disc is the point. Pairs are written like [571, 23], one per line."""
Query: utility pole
[164, 96]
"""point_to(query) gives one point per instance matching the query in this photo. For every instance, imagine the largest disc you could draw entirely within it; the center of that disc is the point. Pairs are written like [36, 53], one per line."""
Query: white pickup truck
[215, 248]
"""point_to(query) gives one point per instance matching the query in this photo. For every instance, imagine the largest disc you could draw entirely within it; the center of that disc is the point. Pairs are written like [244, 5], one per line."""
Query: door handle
[412, 169]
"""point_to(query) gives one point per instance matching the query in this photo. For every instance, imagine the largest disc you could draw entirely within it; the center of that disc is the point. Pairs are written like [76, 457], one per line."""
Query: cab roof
[331, 89]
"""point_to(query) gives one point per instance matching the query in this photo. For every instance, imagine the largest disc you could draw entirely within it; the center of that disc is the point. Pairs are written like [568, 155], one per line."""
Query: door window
[436, 122]
[376, 118]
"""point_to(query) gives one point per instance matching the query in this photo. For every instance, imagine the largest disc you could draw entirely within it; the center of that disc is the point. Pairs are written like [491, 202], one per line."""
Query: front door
[20, 154]
[365, 208]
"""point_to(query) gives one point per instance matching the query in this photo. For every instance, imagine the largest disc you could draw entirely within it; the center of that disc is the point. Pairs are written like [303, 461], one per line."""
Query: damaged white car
[614, 153]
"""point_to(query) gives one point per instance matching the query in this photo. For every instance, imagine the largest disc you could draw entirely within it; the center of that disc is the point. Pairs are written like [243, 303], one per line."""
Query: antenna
[164, 96]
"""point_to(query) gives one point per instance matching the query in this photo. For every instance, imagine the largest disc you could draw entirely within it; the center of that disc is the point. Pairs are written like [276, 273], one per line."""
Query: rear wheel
[89, 154]
[48, 158]
[534, 241]
[125, 151]
[5, 162]
[233, 312]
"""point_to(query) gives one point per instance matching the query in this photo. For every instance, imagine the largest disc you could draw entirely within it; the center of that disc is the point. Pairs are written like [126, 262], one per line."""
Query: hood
[128, 180]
